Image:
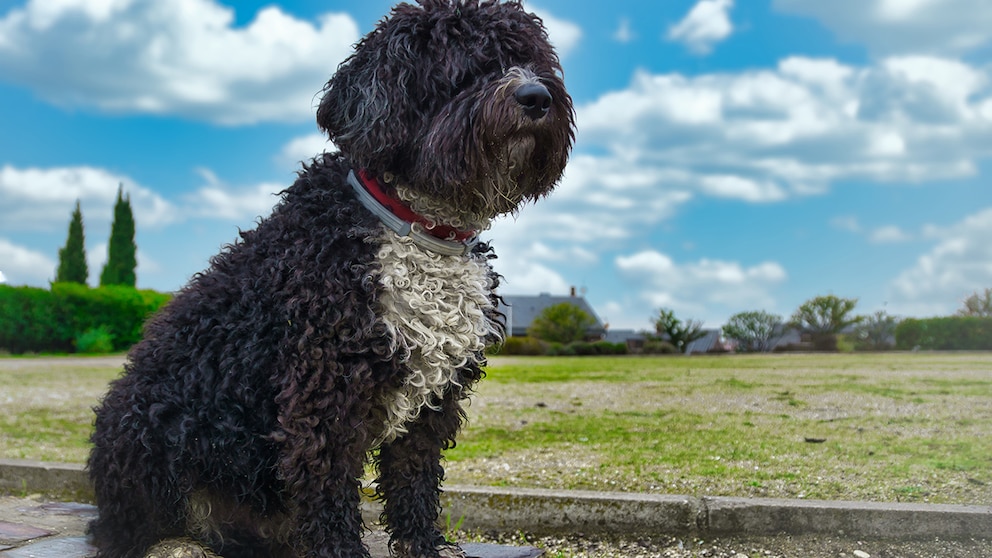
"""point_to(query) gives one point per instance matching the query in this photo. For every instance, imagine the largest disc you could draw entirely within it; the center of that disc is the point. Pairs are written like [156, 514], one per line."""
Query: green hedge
[530, 346]
[953, 333]
[55, 320]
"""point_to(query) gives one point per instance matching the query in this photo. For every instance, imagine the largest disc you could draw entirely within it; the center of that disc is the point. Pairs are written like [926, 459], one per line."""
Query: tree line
[122, 262]
[823, 322]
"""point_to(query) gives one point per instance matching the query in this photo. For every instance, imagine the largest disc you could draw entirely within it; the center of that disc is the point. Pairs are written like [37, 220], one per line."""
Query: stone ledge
[550, 512]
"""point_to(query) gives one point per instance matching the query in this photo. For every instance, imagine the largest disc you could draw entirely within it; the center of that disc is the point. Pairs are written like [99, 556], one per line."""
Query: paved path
[20, 363]
[37, 528]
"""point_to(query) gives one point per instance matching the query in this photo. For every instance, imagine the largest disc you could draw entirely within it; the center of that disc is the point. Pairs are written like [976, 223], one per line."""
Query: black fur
[255, 391]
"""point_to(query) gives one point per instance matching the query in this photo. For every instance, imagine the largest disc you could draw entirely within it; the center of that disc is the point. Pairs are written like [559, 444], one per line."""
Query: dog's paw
[402, 549]
[450, 551]
[179, 548]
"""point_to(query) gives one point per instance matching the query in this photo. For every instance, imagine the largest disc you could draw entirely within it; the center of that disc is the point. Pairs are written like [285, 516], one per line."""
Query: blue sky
[730, 155]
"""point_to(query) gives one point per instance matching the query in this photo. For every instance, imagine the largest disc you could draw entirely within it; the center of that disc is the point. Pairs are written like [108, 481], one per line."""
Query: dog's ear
[366, 108]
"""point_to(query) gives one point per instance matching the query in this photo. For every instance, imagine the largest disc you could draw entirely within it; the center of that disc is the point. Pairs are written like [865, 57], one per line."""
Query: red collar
[400, 209]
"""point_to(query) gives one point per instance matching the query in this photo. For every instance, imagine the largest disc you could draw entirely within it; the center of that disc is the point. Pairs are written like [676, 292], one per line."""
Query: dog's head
[462, 101]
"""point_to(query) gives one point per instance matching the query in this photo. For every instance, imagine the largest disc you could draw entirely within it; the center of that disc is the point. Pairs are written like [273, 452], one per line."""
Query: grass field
[884, 427]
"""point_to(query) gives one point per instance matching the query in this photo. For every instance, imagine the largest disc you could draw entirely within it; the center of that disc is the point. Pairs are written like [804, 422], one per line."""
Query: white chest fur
[435, 307]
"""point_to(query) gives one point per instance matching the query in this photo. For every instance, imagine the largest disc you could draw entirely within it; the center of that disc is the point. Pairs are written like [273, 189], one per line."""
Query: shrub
[528, 346]
[607, 348]
[95, 340]
[952, 333]
[53, 320]
[583, 348]
[523, 346]
[658, 347]
[561, 323]
[28, 321]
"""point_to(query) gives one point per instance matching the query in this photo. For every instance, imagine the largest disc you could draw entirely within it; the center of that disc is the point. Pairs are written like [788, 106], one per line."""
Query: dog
[349, 326]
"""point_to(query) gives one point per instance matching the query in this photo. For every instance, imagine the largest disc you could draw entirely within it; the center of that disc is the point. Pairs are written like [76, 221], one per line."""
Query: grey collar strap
[403, 228]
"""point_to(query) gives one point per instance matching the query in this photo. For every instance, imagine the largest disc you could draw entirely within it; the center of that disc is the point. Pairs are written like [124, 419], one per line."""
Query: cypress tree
[72, 257]
[121, 250]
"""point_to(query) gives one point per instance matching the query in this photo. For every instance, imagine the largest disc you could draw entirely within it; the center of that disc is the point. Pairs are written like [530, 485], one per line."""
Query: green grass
[47, 408]
[737, 425]
[895, 427]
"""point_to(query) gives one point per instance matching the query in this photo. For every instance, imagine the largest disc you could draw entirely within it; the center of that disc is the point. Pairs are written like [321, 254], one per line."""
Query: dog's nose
[535, 99]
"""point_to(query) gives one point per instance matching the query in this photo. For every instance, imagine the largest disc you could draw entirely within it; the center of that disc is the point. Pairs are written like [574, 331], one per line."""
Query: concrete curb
[62, 480]
[548, 512]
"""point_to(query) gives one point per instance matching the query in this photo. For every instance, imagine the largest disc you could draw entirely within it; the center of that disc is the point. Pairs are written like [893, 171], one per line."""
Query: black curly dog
[351, 323]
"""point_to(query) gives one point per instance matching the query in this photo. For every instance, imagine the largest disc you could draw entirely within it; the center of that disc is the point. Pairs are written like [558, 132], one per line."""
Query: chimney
[571, 291]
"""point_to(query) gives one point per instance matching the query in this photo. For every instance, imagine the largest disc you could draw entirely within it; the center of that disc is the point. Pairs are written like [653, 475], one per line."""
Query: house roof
[521, 310]
[706, 343]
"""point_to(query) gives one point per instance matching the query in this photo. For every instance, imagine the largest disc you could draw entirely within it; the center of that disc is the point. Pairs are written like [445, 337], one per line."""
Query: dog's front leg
[322, 474]
[409, 482]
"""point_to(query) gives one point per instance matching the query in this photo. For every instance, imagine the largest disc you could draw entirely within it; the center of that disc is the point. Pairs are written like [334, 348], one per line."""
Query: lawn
[884, 427]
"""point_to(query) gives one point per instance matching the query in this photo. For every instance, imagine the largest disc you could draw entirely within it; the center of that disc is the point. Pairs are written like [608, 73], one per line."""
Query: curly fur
[246, 414]
[438, 310]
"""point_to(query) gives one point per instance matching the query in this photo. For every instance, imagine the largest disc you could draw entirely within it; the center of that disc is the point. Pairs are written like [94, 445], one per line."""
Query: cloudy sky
[730, 155]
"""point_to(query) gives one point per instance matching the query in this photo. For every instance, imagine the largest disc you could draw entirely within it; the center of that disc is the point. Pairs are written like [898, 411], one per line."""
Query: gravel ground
[578, 546]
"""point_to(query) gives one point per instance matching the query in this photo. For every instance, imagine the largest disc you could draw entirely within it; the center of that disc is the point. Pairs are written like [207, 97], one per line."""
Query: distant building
[2, 278]
[712, 342]
[521, 310]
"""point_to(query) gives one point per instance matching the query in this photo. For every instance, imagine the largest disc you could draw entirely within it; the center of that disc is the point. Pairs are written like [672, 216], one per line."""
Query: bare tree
[876, 332]
[673, 330]
[978, 305]
[824, 317]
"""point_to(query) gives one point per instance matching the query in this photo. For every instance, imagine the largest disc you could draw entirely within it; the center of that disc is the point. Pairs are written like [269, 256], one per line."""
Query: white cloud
[21, 266]
[706, 24]
[946, 27]
[525, 276]
[96, 258]
[221, 201]
[305, 148]
[706, 289]
[178, 57]
[564, 35]
[960, 263]
[624, 33]
[889, 234]
[885, 234]
[767, 135]
[43, 199]
[36, 198]
[599, 203]
[847, 223]
[736, 187]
